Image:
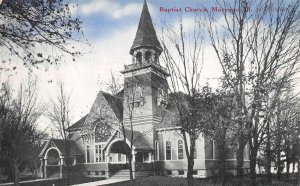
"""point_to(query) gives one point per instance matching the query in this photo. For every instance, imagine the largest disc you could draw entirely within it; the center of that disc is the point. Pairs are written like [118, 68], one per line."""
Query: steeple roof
[145, 35]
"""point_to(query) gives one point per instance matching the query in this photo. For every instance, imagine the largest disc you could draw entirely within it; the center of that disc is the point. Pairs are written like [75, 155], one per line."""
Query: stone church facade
[148, 115]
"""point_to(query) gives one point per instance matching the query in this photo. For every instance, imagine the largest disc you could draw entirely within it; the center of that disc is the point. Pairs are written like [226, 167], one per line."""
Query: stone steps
[121, 174]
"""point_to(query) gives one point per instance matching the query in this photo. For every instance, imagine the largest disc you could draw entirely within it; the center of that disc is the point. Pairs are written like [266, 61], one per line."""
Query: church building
[140, 120]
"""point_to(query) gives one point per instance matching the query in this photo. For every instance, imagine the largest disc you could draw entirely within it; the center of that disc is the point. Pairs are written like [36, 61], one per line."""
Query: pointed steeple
[145, 35]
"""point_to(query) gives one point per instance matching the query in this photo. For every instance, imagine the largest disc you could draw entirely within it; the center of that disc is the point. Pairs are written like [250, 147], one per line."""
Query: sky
[110, 27]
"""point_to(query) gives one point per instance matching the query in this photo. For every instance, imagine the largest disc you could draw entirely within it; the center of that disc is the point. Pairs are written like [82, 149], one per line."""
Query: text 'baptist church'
[191, 9]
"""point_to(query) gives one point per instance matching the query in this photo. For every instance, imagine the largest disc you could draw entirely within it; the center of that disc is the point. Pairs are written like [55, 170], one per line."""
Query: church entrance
[53, 157]
[117, 154]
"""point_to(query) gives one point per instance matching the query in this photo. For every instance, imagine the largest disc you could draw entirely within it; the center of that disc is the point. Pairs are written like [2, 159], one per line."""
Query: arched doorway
[53, 157]
[53, 162]
[118, 152]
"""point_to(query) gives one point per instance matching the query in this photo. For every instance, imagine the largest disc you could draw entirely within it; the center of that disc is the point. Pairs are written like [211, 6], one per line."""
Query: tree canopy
[37, 31]
[18, 132]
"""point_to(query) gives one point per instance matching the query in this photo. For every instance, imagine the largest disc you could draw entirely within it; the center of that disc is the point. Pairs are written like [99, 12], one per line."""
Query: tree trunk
[130, 168]
[293, 167]
[16, 174]
[190, 178]
[288, 168]
[67, 160]
[253, 156]
[240, 158]
[287, 155]
[222, 163]
[268, 155]
[190, 157]
[278, 165]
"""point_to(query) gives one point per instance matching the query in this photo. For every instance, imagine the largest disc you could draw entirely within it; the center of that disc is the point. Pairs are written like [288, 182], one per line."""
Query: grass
[172, 181]
[58, 181]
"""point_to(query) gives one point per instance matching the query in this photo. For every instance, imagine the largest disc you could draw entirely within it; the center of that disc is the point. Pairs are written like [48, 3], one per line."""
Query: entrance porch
[121, 149]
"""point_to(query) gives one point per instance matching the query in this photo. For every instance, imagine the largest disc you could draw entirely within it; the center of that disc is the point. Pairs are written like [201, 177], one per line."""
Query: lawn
[35, 181]
[171, 181]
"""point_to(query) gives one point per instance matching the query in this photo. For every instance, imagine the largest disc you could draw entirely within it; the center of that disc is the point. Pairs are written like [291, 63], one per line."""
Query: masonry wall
[173, 136]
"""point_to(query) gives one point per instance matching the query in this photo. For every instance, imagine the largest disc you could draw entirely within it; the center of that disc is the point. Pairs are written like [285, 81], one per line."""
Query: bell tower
[145, 80]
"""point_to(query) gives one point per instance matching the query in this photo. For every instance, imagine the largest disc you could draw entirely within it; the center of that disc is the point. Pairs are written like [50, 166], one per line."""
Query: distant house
[158, 146]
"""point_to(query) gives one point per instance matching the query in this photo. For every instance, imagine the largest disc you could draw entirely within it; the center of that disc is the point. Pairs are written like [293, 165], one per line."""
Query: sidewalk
[103, 182]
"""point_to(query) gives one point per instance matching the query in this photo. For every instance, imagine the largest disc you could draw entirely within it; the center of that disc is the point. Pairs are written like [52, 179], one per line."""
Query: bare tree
[285, 133]
[182, 55]
[58, 113]
[259, 52]
[18, 125]
[221, 108]
[114, 86]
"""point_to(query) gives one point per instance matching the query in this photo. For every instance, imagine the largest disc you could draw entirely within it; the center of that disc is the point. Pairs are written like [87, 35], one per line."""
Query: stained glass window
[102, 132]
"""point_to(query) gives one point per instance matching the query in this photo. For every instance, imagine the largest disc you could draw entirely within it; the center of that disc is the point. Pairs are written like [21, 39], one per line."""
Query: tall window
[180, 149]
[168, 150]
[99, 153]
[156, 155]
[88, 154]
[147, 56]
[96, 153]
[139, 57]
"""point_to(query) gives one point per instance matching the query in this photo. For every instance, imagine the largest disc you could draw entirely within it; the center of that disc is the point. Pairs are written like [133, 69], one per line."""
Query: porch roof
[60, 145]
[139, 140]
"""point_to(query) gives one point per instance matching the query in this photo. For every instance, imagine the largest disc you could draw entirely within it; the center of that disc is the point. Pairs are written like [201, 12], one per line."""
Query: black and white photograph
[150, 92]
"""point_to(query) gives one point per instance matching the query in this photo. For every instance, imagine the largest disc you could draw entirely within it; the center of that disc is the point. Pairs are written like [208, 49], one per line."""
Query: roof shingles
[78, 124]
[145, 35]
[115, 103]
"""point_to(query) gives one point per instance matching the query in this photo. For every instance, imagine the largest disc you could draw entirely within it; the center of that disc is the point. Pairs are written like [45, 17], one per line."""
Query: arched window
[139, 57]
[148, 56]
[156, 155]
[168, 150]
[180, 149]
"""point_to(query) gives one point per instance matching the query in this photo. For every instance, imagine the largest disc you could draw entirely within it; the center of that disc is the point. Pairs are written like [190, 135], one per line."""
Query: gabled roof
[115, 103]
[78, 124]
[60, 145]
[107, 108]
[145, 35]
